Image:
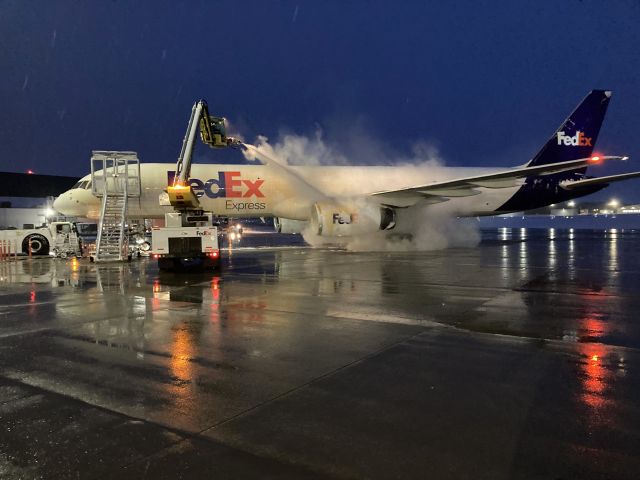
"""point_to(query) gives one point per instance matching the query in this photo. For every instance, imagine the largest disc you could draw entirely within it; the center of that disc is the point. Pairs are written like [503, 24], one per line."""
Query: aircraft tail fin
[577, 135]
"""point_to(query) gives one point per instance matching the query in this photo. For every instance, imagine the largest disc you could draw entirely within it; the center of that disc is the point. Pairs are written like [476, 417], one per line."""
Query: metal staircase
[115, 176]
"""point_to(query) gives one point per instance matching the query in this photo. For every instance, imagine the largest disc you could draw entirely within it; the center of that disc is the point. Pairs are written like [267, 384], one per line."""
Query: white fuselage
[274, 191]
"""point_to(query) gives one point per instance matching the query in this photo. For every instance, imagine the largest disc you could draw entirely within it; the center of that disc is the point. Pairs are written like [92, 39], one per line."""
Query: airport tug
[189, 239]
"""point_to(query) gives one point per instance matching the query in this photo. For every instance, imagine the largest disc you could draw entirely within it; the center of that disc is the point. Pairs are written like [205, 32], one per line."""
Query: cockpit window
[77, 185]
[83, 185]
[88, 186]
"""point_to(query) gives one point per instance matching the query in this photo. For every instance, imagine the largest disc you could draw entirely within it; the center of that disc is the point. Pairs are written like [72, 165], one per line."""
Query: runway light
[30, 172]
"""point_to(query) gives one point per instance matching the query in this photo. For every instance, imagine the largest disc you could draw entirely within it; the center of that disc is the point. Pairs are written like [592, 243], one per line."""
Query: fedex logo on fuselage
[227, 185]
[579, 139]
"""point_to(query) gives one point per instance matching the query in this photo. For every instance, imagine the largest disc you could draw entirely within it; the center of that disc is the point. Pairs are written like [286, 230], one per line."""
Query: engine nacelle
[332, 220]
[285, 225]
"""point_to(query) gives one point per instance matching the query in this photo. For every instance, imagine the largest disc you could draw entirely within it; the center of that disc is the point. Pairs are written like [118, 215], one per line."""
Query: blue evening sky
[487, 82]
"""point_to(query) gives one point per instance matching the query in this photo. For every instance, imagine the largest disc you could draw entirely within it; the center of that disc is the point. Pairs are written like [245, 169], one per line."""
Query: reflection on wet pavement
[413, 355]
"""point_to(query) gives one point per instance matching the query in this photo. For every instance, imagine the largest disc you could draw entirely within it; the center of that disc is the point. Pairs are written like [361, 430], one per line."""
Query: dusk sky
[485, 82]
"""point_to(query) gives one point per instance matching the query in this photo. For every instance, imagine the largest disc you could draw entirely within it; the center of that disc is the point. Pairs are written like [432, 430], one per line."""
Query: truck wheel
[39, 245]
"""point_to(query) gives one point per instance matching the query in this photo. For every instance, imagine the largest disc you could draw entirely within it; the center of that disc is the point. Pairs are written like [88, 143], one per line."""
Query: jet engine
[285, 225]
[332, 220]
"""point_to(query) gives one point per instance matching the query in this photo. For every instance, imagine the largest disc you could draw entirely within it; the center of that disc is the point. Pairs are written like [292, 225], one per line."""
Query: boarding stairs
[115, 177]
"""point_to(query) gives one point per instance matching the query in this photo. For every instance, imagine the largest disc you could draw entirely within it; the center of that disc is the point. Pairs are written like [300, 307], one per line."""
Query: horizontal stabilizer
[596, 181]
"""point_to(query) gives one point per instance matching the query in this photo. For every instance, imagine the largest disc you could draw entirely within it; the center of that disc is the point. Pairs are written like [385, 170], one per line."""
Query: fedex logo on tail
[579, 139]
[227, 185]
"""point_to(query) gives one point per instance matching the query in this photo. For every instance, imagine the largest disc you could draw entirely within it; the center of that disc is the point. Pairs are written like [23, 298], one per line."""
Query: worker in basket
[215, 135]
[219, 132]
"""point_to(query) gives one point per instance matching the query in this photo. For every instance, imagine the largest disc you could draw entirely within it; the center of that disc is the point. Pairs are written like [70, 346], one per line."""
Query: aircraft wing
[463, 187]
[587, 182]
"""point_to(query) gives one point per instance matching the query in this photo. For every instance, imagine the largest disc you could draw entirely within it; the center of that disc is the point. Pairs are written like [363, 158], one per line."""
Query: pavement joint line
[183, 433]
[312, 381]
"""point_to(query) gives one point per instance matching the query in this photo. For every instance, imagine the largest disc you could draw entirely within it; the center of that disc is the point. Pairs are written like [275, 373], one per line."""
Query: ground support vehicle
[188, 241]
[55, 238]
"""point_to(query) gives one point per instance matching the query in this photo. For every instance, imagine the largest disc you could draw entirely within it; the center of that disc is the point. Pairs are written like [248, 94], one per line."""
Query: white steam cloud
[361, 149]
[419, 228]
[292, 149]
[426, 231]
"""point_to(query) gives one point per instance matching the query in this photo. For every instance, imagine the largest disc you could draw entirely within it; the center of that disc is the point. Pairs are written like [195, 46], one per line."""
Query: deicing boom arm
[183, 166]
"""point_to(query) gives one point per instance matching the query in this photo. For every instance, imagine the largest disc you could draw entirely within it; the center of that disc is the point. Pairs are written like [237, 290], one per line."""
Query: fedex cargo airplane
[345, 200]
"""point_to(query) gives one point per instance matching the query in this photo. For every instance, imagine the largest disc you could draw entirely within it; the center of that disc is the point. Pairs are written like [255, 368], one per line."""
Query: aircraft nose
[63, 204]
[57, 203]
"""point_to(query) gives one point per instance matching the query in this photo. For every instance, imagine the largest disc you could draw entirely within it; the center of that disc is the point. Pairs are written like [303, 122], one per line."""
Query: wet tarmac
[515, 359]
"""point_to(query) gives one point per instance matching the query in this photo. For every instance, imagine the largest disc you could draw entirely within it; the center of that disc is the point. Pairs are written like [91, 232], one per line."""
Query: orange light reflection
[181, 353]
[596, 376]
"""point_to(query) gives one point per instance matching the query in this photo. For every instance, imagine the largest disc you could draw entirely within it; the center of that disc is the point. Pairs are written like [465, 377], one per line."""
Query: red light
[156, 255]
[595, 159]
[30, 172]
[215, 254]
